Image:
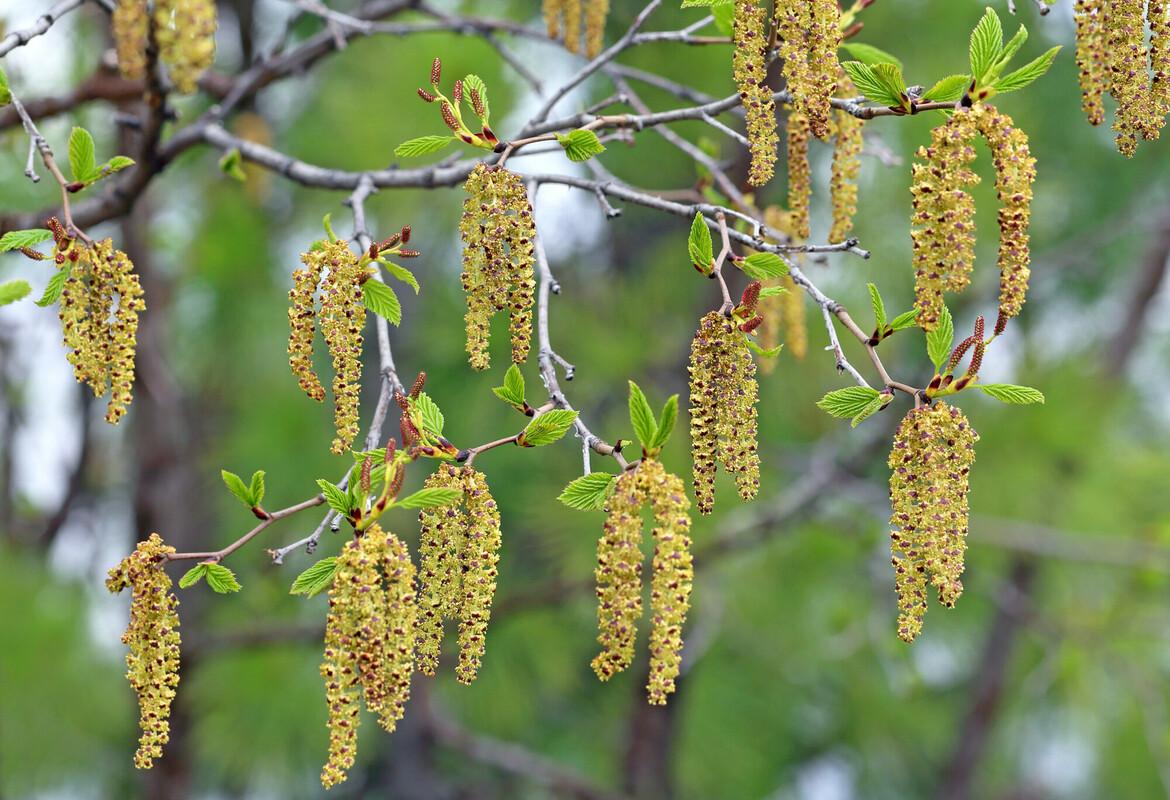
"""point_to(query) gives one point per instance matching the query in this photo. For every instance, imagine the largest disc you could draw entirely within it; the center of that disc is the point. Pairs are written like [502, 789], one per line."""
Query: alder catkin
[498, 235]
[442, 530]
[930, 462]
[478, 559]
[619, 578]
[152, 663]
[302, 325]
[1091, 57]
[596, 12]
[723, 394]
[810, 34]
[130, 26]
[847, 145]
[185, 33]
[749, 68]
[799, 175]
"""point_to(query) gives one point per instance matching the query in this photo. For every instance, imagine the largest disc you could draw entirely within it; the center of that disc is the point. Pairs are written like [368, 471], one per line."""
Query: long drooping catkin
[749, 69]
[810, 33]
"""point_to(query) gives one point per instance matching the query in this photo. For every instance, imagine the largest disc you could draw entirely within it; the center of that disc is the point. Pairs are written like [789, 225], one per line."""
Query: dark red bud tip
[74, 187]
[449, 118]
[391, 446]
[1000, 324]
[373, 251]
[457, 91]
[405, 234]
[259, 513]
[487, 133]
[462, 456]
[400, 399]
[436, 70]
[961, 383]
[751, 296]
[425, 95]
[477, 103]
[934, 383]
[417, 387]
[751, 324]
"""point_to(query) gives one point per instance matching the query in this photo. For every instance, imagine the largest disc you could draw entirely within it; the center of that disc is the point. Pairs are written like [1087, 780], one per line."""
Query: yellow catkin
[185, 33]
[673, 576]
[302, 325]
[442, 531]
[398, 657]
[1091, 57]
[847, 145]
[619, 578]
[783, 314]
[130, 24]
[152, 663]
[478, 559]
[571, 17]
[498, 235]
[930, 462]
[810, 33]
[799, 175]
[749, 68]
[723, 394]
[551, 10]
[943, 218]
[595, 13]
[339, 669]
[1158, 15]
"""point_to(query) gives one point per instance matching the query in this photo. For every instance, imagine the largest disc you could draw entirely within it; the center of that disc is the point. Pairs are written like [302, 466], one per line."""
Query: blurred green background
[1049, 680]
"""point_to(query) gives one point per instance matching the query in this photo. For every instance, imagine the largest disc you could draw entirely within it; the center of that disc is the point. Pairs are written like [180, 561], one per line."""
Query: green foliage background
[798, 682]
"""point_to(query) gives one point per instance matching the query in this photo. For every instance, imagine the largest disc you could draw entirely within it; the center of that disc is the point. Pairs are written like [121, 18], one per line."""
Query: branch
[19, 38]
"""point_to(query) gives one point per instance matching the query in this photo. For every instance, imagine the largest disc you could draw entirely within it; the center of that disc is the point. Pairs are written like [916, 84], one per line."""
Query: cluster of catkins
[99, 306]
[369, 642]
[564, 18]
[847, 146]
[1113, 58]
[723, 394]
[182, 30]
[152, 663]
[783, 314]
[749, 68]
[934, 448]
[459, 548]
[619, 576]
[342, 319]
[809, 34]
[943, 221]
[498, 234]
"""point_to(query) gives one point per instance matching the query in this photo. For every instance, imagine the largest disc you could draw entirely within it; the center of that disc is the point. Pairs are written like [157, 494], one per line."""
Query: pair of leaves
[855, 402]
[990, 56]
[884, 326]
[218, 577]
[83, 161]
[512, 392]
[653, 434]
[763, 266]
[580, 145]
[547, 428]
[882, 83]
[699, 245]
[589, 492]
[249, 494]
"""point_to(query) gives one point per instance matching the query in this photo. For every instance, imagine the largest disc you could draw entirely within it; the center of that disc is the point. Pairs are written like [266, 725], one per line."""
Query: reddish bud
[367, 467]
[457, 91]
[425, 95]
[400, 399]
[35, 255]
[960, 351]
[980, 345]
[436, 70]
[408, 431]
[477, 103]
[389, 242]
[391, 446]
[405, 234]
[486, 133]
[449, 117]
[373, 251]
[396, 482]
[417, 387]
[751, 296]
[752, 324]
[409, 253]
[1000, 324]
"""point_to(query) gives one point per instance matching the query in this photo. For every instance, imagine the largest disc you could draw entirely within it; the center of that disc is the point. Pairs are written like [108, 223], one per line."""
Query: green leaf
[221, 579]
[642, 417]
[81, 155]
[192, 576]
[906, 319]
[256, 490]
[335, 497]
[879, 308]
[772, 291]
[1009, 50]
[891, 76]
[875, 405]
[429, 413]
[986, 44]
[666, 422]
[53, 288]
[232, 165]
[475, 82]
[1011, 393]
[589, 492]
[580, 145]
[763, 266]
[870, 84]
[12, 291]
[401, 273]
[870, 55]
[316, 578]
[547, 428]
[114, 165]
[431, 497]
[699, 245]
[236, 486]
[381, 299]
[14, 240]
[771, 352]
[948, 90]
[848, 402]
[327, 224]
[1027, 73]
[513, 389]
[5, 93]
[940, 340]
[422, 146]
[724, 14]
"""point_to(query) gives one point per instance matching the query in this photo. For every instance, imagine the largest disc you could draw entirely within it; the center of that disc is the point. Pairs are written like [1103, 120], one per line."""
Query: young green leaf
[986, 44]
[256, 490]
[547, 428]
[905, 320]
[1027, 73]
[1009, 50]
[422, 146]
[475, 82]
[512, 392]
[221, 579]
[327, 224]
[762, 266]
[5, 93]
[666, 422]
[429, 413]
[401, 273]
[589, 492]
[699, 245]
[114, 165]
[873, 86]
[580, 145]
[848, 402]
[875, 405]
[642, 417]
[14, 240]
[940, 340]
[869, 55]
[891, 76]
[231, 164]
[236, 486]
[12, 291]
[316, 578]
[771, 352]
[81, 155]
[192, 576]
[381, 299]
[772, 291]
[948, 90]
[879, 308]
[1010, 393]
[54, 288]
[335, 497]
[724, 14]
[431, 497]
